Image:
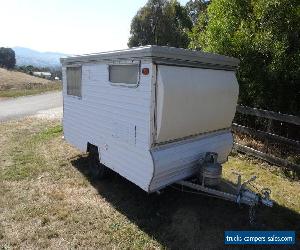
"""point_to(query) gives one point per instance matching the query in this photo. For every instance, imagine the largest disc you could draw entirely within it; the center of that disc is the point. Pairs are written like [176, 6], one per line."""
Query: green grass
[48, 133]
[47, 200]
[27, 160]
[16, 92]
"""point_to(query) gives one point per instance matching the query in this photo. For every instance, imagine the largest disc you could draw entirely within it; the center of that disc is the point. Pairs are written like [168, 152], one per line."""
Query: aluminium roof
[159, 54]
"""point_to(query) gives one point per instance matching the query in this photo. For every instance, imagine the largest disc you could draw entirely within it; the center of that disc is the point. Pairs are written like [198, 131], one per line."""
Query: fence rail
[266, 157]
[271, 115]
[265, 135]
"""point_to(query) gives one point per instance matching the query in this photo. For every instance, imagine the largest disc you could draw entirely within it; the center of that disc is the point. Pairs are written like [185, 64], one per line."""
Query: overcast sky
[68, 26]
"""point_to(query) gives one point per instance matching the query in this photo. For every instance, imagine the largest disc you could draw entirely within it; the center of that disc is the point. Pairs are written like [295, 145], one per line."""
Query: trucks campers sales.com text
[259, 237]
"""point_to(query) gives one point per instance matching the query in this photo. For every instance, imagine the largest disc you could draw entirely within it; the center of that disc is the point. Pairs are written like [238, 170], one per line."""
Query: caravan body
[152, 111]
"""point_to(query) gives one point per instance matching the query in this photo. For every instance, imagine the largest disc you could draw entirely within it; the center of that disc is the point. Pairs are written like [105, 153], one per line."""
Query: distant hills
[25, 56]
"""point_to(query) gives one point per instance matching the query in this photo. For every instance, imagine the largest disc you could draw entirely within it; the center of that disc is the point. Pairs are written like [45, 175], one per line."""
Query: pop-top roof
[159, 54]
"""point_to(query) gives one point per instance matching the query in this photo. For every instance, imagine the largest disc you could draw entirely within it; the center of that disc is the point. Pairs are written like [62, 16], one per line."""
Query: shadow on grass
[186, 221]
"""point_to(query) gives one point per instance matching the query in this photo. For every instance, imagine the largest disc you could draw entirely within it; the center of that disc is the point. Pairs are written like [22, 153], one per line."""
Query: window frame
[128, 85]
[71, 95]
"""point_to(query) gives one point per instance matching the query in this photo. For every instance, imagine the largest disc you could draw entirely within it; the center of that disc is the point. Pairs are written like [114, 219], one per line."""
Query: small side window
[127, 75]
[74, 81]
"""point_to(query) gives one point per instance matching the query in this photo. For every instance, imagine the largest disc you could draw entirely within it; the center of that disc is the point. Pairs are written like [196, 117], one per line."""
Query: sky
[68, 26]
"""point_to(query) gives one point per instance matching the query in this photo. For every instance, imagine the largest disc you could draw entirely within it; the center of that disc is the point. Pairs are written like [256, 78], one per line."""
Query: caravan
[150, 113]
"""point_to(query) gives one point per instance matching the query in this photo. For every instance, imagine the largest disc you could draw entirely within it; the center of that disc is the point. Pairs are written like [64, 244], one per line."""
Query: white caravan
[157, 116]
[150, 113]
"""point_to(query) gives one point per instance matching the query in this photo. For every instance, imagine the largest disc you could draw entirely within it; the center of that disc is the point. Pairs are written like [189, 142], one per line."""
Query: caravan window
[74, 81]
[124, 74]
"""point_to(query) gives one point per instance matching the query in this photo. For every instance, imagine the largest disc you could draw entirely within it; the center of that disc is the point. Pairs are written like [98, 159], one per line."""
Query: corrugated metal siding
[116, 119]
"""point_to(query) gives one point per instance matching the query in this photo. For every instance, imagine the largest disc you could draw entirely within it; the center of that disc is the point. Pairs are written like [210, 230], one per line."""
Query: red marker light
[145, 71]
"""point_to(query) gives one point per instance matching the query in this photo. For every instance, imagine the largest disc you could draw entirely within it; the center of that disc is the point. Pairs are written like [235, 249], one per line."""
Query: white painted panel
[116, 119]
[192, 101]
[178, 160]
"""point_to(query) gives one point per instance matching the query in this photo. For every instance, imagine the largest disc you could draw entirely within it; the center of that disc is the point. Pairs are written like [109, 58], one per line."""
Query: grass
[14, 84]
[285, 190]
[284, 151]
[47, 200]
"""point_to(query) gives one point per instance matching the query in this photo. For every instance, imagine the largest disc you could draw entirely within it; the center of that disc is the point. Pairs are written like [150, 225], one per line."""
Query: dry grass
[280, 150]
[48, 201]
[14, 84]
[285, 191]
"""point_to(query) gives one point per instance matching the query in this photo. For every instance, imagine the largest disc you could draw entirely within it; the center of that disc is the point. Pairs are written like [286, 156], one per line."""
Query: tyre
[97, 170]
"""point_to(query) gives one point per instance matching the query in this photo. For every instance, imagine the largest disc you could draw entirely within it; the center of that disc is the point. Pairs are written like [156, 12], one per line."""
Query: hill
[25, 56]
[14, 83]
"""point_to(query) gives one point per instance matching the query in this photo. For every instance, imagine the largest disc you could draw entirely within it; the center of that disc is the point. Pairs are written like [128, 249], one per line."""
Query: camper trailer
[150, 113]
[155, 115]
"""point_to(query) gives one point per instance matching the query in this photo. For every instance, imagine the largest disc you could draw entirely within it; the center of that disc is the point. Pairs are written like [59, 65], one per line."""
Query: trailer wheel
[97, 170]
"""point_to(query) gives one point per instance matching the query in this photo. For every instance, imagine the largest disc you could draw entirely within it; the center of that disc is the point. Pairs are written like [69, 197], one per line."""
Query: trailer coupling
[238, 195]
[209, 182]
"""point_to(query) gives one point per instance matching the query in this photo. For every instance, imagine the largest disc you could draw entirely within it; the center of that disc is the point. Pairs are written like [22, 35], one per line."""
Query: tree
[160, 22]
[7, 58]
[265, 36]
[195, 8]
